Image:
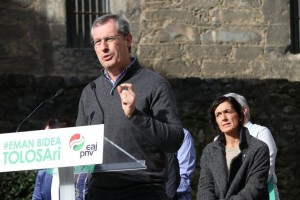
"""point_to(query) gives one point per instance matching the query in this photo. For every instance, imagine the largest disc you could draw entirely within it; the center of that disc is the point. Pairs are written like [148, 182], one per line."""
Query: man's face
[111, 47]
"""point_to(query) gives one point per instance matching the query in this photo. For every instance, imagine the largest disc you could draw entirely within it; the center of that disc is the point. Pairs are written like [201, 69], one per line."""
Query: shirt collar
[120, 76]
[248, 125]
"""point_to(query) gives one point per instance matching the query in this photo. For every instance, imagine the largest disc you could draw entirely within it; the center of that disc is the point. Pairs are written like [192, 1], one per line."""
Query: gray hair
[241, 100]
[122, 24]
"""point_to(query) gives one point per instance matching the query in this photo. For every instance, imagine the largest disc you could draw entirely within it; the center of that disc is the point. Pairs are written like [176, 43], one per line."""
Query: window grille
[294, 15]
[80, 16]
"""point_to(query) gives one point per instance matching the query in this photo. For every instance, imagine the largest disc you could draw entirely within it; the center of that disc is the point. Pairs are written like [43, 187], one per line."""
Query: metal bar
[66, 181]
[107, 6]
[76, 17]
[295, 28]
[88, 12]
[82, 14]
[97, 9]
[82, 20]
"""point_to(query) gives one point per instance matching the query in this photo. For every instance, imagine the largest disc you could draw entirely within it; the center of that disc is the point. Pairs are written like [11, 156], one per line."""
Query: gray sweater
[248, 174]
[153, 130]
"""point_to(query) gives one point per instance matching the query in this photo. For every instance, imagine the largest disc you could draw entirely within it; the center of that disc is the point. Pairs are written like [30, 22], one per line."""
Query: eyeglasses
[109, 39]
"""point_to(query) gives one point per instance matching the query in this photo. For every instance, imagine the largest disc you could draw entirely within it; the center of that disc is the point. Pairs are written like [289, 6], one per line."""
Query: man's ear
[128, 38]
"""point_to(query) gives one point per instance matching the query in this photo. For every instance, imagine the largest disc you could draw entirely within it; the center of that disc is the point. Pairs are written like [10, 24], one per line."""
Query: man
[263, 134]
[138, 110]
[178, 185]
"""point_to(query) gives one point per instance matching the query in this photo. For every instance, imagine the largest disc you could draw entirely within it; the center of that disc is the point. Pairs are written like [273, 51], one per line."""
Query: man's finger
[119, 88]
[127, 86]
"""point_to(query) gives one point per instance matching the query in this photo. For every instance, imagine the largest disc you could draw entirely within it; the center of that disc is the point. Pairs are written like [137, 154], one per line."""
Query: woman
[235, 165]
[47, 180]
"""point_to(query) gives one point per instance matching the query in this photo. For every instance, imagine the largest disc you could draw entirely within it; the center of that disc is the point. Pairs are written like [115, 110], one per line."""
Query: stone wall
[213, 38]
[178, 39]
[273, 103]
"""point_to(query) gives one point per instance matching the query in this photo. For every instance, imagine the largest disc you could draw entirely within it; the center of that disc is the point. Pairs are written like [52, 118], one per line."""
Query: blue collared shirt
[186, 156]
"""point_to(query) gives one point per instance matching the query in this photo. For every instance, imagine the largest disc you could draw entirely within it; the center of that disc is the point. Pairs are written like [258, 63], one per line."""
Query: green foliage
[17, 185]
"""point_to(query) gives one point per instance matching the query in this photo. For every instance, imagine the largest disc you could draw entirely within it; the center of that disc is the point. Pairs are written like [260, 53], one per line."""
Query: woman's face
[227, 118]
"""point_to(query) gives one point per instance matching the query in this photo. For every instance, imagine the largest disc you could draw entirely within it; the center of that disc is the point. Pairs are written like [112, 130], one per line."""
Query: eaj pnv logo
[76, 142]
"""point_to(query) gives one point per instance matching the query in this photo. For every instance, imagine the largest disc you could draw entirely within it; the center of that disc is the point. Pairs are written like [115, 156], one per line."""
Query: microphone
[93, 87]
[59, 92]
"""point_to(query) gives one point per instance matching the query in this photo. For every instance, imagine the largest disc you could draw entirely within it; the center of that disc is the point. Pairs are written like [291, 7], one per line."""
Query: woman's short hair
[236, 106]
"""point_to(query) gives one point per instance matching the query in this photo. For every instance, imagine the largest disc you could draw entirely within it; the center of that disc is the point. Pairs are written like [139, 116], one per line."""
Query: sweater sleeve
[163, 127]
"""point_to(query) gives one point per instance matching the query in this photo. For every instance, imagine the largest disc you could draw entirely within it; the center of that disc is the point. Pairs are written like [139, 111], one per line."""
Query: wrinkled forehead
[226, 105]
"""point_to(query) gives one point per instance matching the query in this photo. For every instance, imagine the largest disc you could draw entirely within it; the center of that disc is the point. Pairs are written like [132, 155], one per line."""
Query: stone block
[20, 65]
[275, 35]
[232, 35]
[233, 16]
[53, 11]
[39, 32]
[196, 52]
[242, 3]
[212, 69]
[276, 11]
[4, 54]
[18, 16]
[154, 4]
[58, 32]
[118, 7]
[11, 31]
[153, 51]
[180, 16]
[260, 69]
[173, 67]
[278, 66]
[278, 49]
[248, 53]
[203, 4]
[171, 33]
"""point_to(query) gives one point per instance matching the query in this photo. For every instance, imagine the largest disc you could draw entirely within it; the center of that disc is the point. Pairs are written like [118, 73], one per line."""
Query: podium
[74, 151]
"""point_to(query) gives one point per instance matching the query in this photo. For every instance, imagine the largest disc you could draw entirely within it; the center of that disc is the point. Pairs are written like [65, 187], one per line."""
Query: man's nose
[103, 46]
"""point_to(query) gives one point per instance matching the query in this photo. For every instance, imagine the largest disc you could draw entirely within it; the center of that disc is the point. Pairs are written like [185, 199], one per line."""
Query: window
[80, 16]
[294, 15]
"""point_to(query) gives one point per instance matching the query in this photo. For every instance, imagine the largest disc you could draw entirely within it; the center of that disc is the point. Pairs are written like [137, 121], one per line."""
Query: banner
[61, 147]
